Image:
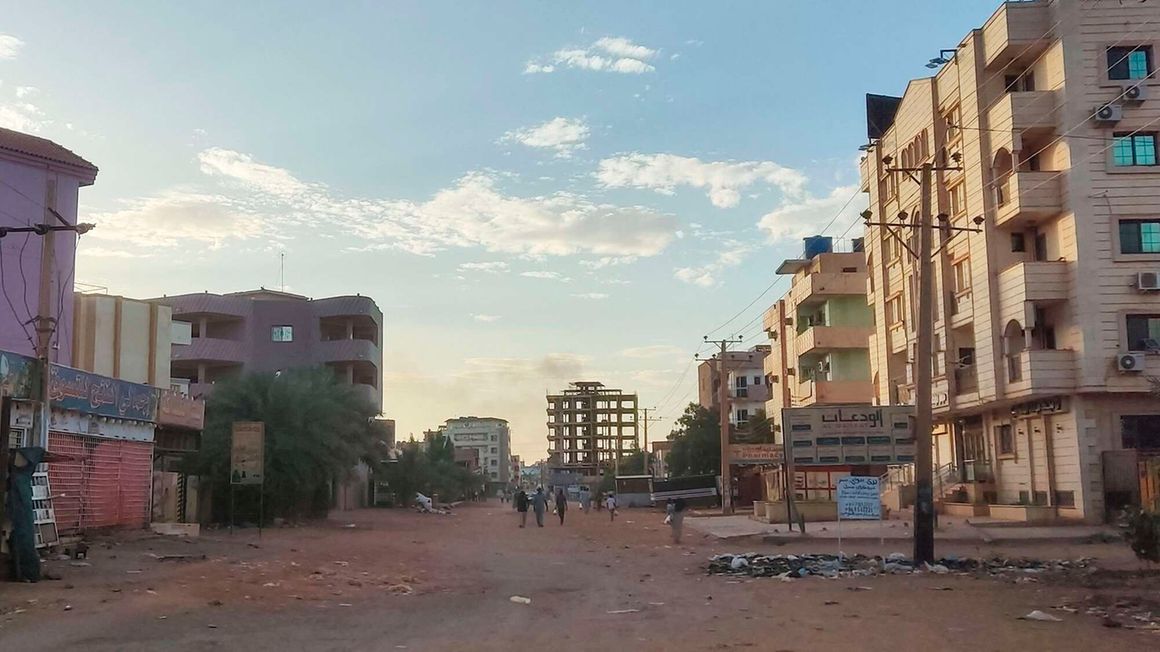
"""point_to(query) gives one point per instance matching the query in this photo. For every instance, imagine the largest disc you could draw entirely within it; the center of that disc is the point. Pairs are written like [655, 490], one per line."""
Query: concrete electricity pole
[723, 405]
[647, 456]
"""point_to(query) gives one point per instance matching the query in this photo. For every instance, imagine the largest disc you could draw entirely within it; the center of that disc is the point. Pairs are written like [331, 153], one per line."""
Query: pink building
[37, 175]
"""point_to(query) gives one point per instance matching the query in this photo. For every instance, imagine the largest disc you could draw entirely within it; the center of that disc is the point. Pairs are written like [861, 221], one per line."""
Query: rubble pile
[752, 564]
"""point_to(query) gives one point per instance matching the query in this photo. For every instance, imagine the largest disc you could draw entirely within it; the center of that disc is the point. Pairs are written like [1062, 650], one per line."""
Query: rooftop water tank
[818, 244]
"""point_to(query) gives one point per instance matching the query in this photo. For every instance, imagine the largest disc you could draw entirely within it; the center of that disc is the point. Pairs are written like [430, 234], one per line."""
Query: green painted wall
[849, 311]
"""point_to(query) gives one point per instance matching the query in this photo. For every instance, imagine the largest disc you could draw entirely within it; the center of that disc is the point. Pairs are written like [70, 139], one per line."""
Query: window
[1024, 81]
[1130, 150]
[962, 271]
[742, 381]
[1140, 236]
[954, 121]
[1065, 498]
[1133, 62]
[495, 437]
[1005, 439]
[756, 380]
[495, 462]
[742, 416]
[282, 334]
[967, 356]
[1143, 332]
[958, 200]
[1018, 242]
[894, 310]
[494, 450]
[1140, 431]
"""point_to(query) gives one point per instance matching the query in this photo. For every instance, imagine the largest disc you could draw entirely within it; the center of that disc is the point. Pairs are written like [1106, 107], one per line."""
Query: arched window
[1001, 168]
[1013, 344]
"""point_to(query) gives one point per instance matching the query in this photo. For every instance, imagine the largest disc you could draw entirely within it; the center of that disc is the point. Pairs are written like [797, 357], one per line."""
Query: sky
[534, 193]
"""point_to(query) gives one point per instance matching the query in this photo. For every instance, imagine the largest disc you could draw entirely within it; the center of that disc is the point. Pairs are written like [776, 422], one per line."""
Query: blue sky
[534, 193]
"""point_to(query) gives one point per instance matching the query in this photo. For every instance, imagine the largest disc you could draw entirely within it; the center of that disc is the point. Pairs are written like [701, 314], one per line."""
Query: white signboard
[858, 498]
[849, 434]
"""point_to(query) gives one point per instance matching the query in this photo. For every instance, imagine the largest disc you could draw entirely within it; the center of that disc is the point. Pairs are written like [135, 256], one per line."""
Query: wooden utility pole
[45, 324]
[924, 470]
[723, 404]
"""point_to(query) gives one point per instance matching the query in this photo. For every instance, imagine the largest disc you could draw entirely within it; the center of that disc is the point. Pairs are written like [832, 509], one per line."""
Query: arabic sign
[1053, 405]
[247, 452]
[858, 498]
[849, 434]
[73, 389]
[175, 409]
[756, 454]
[17, 374]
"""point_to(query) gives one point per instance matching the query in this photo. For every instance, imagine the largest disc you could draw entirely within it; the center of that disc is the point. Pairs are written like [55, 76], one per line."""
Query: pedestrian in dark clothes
[561, 504]
[522, 506]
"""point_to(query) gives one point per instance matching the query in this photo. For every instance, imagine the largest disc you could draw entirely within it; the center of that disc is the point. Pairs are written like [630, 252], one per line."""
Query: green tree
[317, 430]
[696, 443]
[633, 463]
[758, 430]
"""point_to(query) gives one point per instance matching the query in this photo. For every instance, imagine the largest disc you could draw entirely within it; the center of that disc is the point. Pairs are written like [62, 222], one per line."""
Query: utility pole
[723, 405]
[647, 455]
[923, 361]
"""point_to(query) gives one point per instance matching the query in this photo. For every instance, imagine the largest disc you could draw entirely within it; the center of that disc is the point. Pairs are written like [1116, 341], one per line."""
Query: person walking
[561, 504]
[521, 502]
[676, 518]
[610, 505]
[539, 505]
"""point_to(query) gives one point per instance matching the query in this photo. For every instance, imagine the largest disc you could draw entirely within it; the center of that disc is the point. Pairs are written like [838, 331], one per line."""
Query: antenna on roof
[282, 270]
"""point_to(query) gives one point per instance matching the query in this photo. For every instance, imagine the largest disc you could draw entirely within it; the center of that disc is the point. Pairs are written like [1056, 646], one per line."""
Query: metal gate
[107, 485]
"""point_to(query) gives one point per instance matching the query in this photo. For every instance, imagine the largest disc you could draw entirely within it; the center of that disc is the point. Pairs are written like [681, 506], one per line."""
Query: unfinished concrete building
[590, 426]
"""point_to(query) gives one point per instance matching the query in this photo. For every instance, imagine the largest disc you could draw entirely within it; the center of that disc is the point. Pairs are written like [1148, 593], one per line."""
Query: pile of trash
[752, 564]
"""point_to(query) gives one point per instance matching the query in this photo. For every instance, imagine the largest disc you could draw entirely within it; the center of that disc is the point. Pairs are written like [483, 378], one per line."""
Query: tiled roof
[42, 148]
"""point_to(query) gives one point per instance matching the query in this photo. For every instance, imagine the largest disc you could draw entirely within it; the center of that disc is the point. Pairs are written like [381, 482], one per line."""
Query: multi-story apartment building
[1047, 319]
[820, 330]
[745, 375]
[590, 426]
[490, 437]
[264, 330]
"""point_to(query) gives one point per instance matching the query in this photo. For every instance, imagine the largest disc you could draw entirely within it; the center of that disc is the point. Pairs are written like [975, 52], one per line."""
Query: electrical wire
[8, 299]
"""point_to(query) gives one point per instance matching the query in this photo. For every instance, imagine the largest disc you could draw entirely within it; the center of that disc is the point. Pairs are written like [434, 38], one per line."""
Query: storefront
[177, 495]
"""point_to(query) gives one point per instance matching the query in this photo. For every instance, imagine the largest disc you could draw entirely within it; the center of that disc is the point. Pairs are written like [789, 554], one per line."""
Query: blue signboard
[73, 389]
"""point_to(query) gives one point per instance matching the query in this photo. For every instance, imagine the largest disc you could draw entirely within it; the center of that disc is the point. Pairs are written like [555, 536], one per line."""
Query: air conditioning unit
[1148, 281]
[1109, 113]
[1130, 362]
[1136, 92]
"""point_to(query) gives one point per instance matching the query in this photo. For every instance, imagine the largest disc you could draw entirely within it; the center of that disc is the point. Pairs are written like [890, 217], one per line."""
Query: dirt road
[400, 580]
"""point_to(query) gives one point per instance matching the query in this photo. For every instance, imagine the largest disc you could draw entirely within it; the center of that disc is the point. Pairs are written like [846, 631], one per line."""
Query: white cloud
[9, 46]
[19, 117]
[562, 135]
[105, 252]
[24, 92]
[654, 351]
[608, 54]
[724, 180]
[485, 318]
[177, 219]
[807, 216]
[595, 296]
[554, 276]
[471, 213]
[733, 252]
[489, 267]
[611, 261]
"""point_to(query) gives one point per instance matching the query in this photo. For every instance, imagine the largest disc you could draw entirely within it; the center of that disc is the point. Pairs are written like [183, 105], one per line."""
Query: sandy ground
[400, 580]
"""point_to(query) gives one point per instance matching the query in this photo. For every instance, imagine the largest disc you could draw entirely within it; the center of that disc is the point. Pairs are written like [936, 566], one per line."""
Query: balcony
[349, 351]
[826, 338]
[820, 285]
[830, 392]
[1024, 198]
[1040, 371]
[1027, 113]
[962, 309]
[369, 392]
[1040, 282]
[896, 336]
[1016, 32]
[210, 349]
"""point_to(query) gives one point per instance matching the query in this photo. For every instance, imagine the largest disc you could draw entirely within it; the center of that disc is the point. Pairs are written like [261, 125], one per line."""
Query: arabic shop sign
[176, 409]
[73, 389]
[17, 375]
[755, 454]
[850, 434]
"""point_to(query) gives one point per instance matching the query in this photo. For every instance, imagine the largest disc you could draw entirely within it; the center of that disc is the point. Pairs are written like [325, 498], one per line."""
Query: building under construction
[590, 426]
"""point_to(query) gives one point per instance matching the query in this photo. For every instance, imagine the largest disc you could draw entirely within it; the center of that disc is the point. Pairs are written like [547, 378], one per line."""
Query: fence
[107, 485]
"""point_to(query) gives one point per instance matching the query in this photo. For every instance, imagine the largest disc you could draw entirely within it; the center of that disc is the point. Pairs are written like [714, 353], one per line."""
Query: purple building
[36, 175]
[266, 330]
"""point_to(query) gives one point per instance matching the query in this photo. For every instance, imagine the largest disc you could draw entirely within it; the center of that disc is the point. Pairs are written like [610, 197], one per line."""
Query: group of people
[539, 501]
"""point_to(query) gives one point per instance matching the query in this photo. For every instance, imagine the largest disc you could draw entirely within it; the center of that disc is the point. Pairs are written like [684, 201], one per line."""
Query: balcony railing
[1025, 197]
[966, 379]
[1017, 31]
[1040, 371]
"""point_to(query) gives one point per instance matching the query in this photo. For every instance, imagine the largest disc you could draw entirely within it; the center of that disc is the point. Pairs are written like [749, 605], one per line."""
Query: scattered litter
[738, 562]
[403, 589]
[342, 563]
[345, 604]
[68, 607]
[623, 611]
[80, 564]
[212, 626]
[858, 588]
[656, 604]
[350, 526]
[162, 617]
[830, 603]
[1041, 616]
[941, 588]
[519, 599]
[271, 585]
[177, 557]
[253, 545]
[788, 567]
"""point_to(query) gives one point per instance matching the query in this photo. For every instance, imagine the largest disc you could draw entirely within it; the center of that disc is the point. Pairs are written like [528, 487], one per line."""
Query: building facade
[122, 338]
[267, 331]
[590, 426]
[1047, 319]
[745, 375]
[490, 438]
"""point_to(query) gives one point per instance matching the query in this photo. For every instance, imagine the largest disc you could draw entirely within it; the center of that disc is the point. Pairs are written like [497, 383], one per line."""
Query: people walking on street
[610, 505]
[585, 499]
[539, 505]
[561, 504]
[676, 518]
[522, 506]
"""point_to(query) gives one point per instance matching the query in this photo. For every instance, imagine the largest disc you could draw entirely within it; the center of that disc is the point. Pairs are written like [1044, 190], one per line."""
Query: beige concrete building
[1047, 321]
[590, 426]
[122, 338]
[820, 331]
[746, 388]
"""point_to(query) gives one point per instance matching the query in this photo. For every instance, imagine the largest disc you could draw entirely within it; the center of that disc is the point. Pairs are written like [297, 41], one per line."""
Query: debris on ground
[519, 599]
[1118, 611]
[623, 611]
[1041, 616]
[752, 564]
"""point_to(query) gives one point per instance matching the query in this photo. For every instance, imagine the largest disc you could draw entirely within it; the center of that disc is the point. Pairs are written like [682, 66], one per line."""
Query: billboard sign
[247, 452]
[858, 498]
[88, 393]
[756, 454]
[849, 434]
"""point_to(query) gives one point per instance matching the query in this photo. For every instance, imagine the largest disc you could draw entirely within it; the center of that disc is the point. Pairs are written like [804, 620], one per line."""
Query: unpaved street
[400, 580]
